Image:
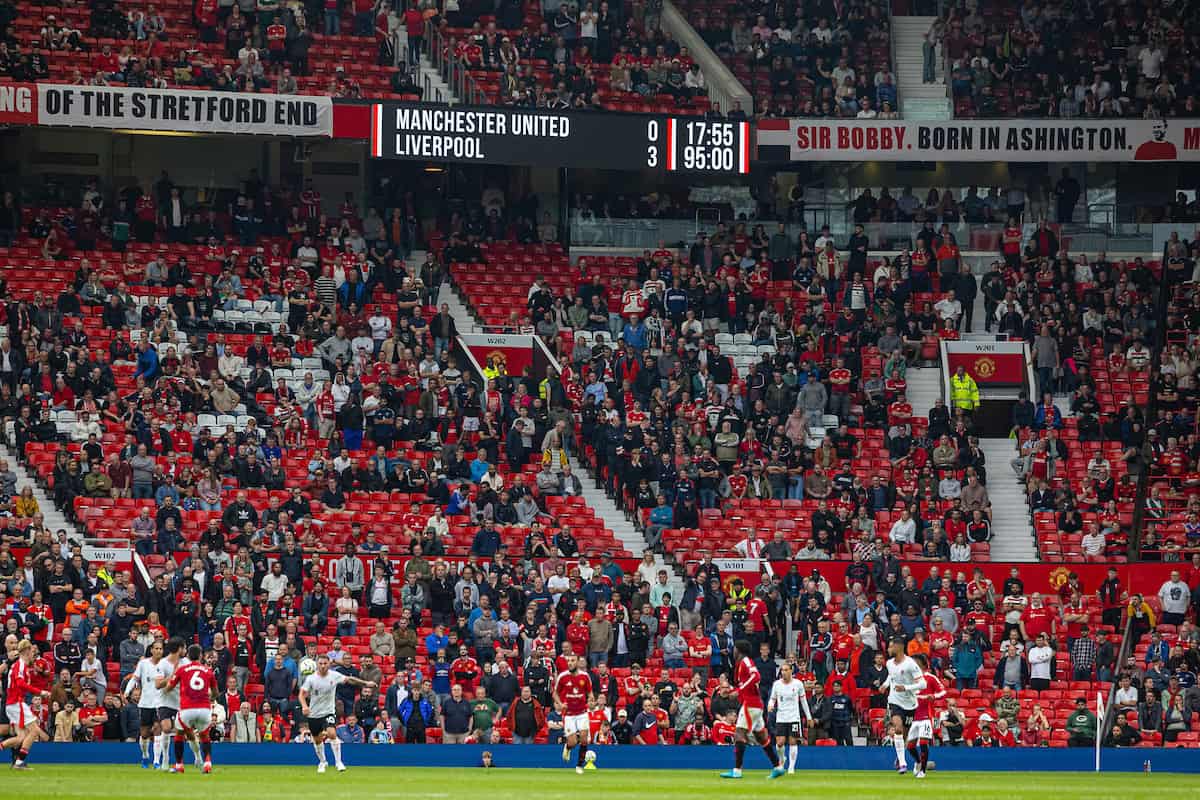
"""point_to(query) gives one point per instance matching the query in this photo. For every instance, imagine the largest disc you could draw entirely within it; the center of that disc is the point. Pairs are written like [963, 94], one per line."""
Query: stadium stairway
[924, 387]
[918, 100]
[53, 519]
[464, 320]
[1012, 524]
[434, 88]
[614, 518]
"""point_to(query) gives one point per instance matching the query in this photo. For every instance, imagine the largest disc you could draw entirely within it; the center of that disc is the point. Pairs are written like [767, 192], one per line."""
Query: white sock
[898, 743]
[793, 751]
[156, 744]
[320, 748]
[195, 745]
[164, 748]
[335, 745]
[144, 745]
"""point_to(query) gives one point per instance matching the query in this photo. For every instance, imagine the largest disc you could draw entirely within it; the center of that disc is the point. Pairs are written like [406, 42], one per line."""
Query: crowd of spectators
[806, 59]
[670, 421]
[567, 55]
[245, 46]
[1105, 60]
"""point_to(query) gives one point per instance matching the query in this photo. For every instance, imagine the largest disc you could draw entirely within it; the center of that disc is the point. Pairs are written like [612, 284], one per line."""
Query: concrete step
[1012, 526]
[924, 387]
[52, 517]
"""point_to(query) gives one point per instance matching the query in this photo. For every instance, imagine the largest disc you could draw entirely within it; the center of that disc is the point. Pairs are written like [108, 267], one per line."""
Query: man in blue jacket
[486, 542]
[436, 640]
[147, 362]
[967, 658]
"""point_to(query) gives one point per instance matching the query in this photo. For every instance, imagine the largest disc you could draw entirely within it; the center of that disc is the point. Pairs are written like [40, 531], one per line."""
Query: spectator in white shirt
[842, 71]
[84, 427]
[949, 307]
[1174, 596]
[1126, 697]
[1093, 543]
[1150, 59]
[1041, 656]
[949, 487]
[380, 325]
[904, 530]
[750, 547]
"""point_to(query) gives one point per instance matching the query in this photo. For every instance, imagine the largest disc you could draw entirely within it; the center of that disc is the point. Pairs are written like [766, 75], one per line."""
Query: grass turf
[78, 782]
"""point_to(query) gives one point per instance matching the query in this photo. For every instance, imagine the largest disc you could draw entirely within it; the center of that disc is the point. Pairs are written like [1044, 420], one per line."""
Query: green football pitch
[68, 782]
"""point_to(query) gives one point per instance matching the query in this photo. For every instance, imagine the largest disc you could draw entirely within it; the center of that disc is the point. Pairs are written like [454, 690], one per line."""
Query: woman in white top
[647, 571]
[347, 613]
[587, 27]
[868, 632]
[904, 530]
[341, 392]
[960, 550]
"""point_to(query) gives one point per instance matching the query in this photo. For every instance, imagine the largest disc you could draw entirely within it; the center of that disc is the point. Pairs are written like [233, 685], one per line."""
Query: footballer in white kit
[904, 681]
[168, 696]
[144, 676]
[787, 699]
[318, 701]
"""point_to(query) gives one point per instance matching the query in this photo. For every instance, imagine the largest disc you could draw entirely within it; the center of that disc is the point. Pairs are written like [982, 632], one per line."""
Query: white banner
[117, 551]
[183, 110]
[738, 564]
[1133, 140]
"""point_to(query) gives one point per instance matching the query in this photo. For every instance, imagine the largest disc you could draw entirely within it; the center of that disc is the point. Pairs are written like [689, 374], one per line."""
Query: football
[307, 667]
[591, 756]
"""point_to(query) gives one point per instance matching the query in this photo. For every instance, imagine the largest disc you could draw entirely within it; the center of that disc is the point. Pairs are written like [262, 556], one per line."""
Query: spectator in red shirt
[414, 23]
[276, 41]
[333, 18]
[92, 717]
[364, 17]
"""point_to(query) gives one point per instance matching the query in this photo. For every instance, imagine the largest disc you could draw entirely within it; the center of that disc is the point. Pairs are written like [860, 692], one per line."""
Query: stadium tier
[510, 417]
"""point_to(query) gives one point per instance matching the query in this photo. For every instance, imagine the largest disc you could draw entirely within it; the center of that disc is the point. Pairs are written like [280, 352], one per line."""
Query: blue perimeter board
[706, 757]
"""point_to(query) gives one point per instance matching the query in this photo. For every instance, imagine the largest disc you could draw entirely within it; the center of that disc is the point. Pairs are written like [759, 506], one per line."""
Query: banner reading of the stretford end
[1140, 140]
[177, 110]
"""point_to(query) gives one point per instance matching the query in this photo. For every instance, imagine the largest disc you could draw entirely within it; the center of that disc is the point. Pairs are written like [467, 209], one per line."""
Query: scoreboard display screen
[572, 139]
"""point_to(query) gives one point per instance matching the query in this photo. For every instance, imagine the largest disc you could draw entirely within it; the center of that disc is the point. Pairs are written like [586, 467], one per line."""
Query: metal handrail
[892, 57]
[1122, 655]
[459, 81]
[1157, 346]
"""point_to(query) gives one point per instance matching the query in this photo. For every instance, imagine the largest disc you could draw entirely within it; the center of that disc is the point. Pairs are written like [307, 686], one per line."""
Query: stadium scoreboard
[547, 138]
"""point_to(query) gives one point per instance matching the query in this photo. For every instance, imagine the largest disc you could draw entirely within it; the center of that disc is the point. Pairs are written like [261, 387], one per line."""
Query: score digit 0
[652, 148]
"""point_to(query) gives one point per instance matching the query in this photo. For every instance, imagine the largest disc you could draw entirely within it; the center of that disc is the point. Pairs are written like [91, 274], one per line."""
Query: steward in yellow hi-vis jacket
[964, 392]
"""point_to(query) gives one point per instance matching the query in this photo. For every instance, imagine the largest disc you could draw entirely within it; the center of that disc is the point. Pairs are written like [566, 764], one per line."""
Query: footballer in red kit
[196, 685]
[572, 690]
[24, 725]
[750, 718]
[920, 732]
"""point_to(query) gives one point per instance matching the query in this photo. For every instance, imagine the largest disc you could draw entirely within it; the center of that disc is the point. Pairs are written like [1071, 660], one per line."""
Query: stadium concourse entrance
[1002, 370]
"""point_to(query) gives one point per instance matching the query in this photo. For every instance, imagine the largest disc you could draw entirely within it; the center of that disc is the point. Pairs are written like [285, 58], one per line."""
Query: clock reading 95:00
[572, 140]
[688, 144]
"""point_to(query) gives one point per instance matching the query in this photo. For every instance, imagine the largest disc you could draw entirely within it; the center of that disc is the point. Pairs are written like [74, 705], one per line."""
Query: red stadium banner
[513, 350]
[989, 363]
